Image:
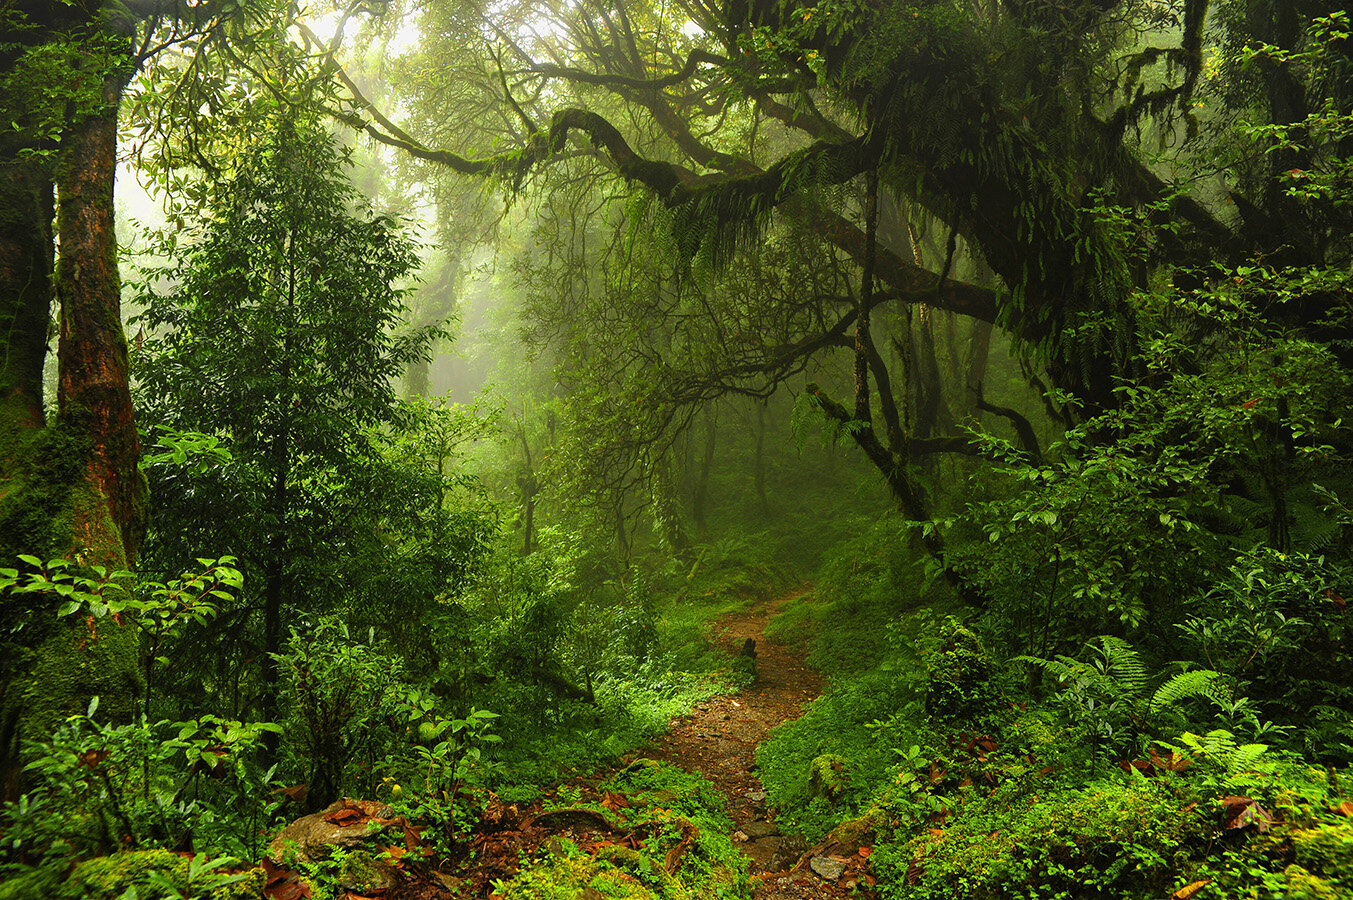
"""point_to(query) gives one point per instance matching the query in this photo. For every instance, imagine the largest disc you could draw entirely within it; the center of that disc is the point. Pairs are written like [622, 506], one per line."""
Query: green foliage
[286, 443]
[685, 851]
[1275, 624]
[828, 777]
[572, 875]
[159, 611]
[446, 752]
[842, 729]
[1105, 697]
[339, 695]
[99, 787]
[1111, 838]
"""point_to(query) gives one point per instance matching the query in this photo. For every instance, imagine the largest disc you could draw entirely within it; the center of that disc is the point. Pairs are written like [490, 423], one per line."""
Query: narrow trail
[718, 740]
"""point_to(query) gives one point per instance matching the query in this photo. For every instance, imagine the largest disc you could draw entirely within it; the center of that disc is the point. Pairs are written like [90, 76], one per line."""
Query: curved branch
[693, 60]
[1027, 437]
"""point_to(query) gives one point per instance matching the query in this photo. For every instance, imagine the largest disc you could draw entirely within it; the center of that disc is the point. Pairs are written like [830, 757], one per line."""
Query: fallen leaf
[346, 816]
[1189, 890]
[1241, 812]
[1344, 809]
[865, 851]
[296, 793]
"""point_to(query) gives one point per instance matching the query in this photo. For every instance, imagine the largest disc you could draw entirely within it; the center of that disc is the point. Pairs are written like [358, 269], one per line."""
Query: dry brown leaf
[1242, 812]
[1189, 890]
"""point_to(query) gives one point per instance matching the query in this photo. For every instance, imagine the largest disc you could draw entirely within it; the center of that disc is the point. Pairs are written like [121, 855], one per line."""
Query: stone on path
[760, 829]
[826, 867]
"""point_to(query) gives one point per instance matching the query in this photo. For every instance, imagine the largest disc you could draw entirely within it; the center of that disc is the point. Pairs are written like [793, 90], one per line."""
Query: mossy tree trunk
[93, 384]
[69, 487]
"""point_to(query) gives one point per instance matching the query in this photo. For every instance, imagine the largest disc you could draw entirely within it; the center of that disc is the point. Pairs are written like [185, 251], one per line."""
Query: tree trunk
[759, 459]
[93, 386]
[26, 211]
[977, 362]
[73, 488]
[666, 509]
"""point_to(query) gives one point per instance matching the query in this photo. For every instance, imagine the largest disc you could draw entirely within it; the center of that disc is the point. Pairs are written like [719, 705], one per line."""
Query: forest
[676, 449]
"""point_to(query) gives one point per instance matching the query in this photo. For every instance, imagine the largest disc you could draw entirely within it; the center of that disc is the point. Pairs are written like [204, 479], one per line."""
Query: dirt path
[718, 739]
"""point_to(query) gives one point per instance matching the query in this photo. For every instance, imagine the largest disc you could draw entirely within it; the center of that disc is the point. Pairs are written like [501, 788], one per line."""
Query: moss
[828, 776]
[575, 876]
[48, 509]
[1302, 885]
[958, 676]
[1107, 839]
[108, 877]
[360, 871]
[250, 887]
[1327, 849]
[41, 469]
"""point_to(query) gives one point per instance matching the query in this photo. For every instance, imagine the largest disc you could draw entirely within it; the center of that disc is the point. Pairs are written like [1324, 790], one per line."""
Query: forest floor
[718, 740]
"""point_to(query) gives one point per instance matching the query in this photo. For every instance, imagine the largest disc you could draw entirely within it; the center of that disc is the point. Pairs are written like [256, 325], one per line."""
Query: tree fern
[1245, 757]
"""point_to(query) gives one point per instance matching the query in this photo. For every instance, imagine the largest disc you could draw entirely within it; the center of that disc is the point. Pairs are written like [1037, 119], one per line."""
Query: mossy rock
[958, 676]
[108, 877]
[363, 871]
[828, 776]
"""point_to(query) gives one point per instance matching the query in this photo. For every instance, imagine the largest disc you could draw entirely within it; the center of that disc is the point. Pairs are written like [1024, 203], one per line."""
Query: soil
[718, 740]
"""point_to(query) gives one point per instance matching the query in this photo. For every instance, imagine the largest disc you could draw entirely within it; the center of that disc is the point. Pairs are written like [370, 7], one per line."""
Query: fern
[1063, 668]
[1245, 757]
[1124, 665]
[1185, 686]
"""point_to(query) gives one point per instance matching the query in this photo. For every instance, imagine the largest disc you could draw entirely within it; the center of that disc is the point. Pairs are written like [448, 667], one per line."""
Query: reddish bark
[92, 350]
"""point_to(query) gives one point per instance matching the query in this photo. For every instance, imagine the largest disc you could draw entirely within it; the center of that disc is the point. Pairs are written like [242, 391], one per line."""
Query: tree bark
[93, 385]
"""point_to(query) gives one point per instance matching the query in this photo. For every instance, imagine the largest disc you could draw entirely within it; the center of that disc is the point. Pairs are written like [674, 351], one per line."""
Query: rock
[760, 829]
[788, 849]
[827, 868]
[449, 882]
[739, 837]
[354, 826]
[313, 837]
[559, 819]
